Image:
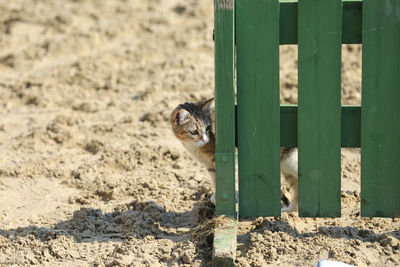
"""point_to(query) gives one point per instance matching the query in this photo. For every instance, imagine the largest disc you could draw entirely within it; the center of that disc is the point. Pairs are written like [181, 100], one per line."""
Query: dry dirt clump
[90, 172]
[293, 241]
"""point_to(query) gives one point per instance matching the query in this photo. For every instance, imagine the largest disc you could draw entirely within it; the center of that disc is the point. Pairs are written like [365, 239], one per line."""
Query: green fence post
[225, 107]
[225, 238]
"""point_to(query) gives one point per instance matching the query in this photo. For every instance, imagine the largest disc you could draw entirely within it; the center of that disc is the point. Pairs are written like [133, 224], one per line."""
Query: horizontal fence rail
[350, 121]
[351, 22]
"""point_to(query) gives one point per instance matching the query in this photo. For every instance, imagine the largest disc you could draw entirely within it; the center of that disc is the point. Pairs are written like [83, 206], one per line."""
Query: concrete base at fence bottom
[224, 248]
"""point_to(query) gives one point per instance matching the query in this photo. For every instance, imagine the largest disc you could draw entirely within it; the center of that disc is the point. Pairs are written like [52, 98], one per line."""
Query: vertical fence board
[225, 106]
[319, 111]
[257, 31]
[380, 127]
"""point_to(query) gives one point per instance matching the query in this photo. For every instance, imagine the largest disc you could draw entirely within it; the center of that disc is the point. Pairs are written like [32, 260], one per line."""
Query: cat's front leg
[293, 185]
[211, 171]
[212, 198]
[289, 168]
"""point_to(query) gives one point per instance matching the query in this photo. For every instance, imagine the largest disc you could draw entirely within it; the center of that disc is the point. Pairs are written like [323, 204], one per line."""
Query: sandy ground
[90, 173]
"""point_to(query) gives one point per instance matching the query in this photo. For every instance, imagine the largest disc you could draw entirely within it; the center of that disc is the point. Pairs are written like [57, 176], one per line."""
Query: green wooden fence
[251, 31]
[319, 126]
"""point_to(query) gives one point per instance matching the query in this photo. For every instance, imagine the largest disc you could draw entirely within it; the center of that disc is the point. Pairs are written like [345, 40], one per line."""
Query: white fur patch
[289, 168]
[290, 164]
[204, 140]
[194, 150]
[212, 198]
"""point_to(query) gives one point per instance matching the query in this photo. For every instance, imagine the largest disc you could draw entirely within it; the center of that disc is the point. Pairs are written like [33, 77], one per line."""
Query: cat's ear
[180, 116]
[205, 105]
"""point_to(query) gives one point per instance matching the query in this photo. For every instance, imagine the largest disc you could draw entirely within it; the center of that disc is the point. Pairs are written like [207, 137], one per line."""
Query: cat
[193, 124]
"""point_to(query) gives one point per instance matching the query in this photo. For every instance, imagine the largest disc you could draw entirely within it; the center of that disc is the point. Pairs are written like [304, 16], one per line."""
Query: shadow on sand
[135, 219]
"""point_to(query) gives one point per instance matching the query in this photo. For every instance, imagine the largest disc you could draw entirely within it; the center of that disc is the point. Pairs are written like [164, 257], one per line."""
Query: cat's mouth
[203, 140]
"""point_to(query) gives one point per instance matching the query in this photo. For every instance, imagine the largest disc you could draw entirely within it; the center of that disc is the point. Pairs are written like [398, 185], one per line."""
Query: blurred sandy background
[90, 173]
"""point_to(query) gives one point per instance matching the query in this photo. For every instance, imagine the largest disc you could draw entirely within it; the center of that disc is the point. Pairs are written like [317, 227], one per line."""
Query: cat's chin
[201, 143]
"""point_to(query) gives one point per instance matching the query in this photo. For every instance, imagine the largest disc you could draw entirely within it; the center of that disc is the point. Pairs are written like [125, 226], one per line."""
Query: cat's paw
[285, 209]
[291, 208]
[212, 198]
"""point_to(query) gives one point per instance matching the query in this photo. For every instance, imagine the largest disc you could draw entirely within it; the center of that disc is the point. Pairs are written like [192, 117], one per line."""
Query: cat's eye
[195, 132]
[208, 128]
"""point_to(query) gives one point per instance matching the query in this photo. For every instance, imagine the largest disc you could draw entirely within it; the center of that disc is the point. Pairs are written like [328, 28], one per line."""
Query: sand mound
[90, 173]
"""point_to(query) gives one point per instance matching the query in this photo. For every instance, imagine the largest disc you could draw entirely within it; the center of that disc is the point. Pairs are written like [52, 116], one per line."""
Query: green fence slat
[319, 114]
[257, 50]
[380, 125]
[225, 106]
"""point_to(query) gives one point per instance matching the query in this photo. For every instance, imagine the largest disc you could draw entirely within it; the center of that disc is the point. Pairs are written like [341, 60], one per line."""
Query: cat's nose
[204, 138]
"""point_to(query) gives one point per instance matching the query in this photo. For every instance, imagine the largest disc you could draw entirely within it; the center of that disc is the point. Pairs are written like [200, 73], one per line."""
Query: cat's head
[192, 122]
